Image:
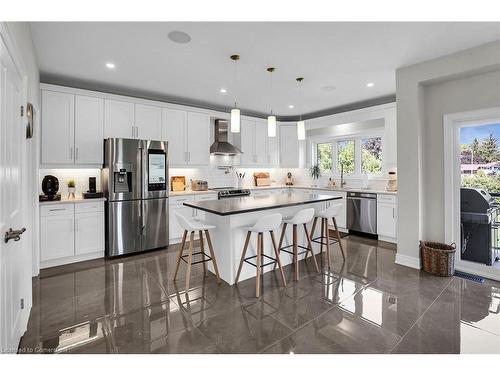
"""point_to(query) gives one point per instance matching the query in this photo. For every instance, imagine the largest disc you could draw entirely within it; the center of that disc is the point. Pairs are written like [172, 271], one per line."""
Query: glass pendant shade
[235, 120]
[301, 130]
[271, 126]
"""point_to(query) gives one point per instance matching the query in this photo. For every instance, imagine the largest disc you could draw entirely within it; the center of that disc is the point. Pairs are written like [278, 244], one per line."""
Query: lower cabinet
[176, 205]
[71, 232]
[387, 214]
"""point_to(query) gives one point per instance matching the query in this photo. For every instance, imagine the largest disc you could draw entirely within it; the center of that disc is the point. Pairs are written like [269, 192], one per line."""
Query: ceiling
[345, 56]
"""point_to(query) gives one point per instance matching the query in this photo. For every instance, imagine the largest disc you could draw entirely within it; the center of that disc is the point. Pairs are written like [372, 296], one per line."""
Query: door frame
[28, 166]
[452, 181]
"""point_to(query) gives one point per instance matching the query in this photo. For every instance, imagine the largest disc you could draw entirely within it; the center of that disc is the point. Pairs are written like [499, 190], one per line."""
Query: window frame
[358, 138]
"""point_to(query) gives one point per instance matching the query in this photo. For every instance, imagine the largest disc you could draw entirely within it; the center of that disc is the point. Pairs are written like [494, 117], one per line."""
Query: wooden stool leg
[212, 254]
[338, 237]
[243, 256]
[258, 259]
[321, 237]
[295, 252]
[327, 235]
[179, 255]
[190, 258]
[277, 255]
[314, 227]
[202, 247]
[310, 248]
[282, 237]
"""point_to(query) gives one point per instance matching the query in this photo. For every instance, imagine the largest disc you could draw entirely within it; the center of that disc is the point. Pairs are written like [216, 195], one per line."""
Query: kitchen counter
[190, 192]
[233, 206]
[76, 200]
[324, 188]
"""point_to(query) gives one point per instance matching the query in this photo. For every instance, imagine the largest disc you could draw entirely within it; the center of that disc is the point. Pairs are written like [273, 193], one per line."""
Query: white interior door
[15, 274]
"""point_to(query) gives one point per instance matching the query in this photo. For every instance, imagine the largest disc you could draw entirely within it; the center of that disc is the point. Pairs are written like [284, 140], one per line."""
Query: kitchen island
[232, 215]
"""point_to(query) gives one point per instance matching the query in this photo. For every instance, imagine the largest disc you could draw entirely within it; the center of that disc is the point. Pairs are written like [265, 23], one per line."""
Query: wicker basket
[438, 258]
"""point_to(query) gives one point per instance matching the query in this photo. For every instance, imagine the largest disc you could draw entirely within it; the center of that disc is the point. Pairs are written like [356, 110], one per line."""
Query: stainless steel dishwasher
[362, 212]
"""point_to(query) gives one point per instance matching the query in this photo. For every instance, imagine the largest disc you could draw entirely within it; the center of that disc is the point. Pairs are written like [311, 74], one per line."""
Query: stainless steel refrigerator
[135, 183]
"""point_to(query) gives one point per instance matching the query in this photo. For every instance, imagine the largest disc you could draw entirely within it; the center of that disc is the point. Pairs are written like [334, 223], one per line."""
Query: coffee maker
[50, 188]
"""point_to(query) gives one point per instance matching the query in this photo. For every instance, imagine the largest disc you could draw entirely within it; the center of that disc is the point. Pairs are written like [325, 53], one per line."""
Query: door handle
[14, 234]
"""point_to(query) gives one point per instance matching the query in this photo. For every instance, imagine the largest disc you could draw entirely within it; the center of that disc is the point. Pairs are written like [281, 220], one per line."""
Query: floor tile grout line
[421, 315]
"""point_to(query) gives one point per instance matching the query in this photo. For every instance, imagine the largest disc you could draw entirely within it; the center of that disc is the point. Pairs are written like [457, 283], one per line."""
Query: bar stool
[330, 212]
[266, 223]
[191, 226]
[300, 218]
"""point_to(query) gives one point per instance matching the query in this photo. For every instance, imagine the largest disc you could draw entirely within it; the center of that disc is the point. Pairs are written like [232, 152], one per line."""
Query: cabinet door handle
[71, 153]
[393, 213]
[132, 131]
[57, 209]
[76, 154]
[137, 132]
[189, 157]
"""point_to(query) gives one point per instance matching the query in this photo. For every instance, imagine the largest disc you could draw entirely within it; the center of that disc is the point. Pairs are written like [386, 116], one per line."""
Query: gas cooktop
[230, 192]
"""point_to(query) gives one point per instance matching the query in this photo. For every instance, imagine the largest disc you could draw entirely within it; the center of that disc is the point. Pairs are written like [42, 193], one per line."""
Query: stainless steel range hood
[221, 146]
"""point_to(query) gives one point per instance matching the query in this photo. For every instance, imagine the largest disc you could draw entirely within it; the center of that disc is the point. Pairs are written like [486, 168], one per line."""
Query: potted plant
[315, 172]
[71, 188]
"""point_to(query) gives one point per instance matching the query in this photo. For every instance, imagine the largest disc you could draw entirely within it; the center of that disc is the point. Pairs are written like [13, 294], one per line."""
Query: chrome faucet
[342, 182]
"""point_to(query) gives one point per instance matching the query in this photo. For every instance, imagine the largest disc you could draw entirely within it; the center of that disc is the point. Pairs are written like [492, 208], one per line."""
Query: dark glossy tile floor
[367, 304]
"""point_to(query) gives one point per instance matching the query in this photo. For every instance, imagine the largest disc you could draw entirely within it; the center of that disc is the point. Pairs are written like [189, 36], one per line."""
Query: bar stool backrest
[267, 223]
[303, 216]
[333, 210]
[185, 222]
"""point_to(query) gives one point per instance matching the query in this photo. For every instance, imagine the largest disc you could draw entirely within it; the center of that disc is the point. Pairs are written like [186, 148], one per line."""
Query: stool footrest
[207, 258]
[291, 252]
[320, 240]
[247, 260]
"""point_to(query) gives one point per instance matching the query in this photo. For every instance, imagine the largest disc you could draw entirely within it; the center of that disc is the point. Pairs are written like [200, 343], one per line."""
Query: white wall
[425, 92]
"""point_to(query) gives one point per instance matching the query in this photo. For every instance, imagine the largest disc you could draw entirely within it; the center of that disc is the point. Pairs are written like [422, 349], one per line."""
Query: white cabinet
[147, 122]
[119, 119]
[188, 136]
[198, 138]
[56, 236]
[387, 214]
[58, 119]
[292, 151]
[89, 228]
[258, 149]
[174, 130]
[71, 232]
[176, 205]
[89, 129]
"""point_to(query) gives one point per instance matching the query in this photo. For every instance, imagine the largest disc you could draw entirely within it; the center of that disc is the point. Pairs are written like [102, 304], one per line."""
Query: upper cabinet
[292, 151]
[58, 127]
[119, 119]
[148, 122]
[72, 129]
[258, 149]
[89, 129]
[188, 137]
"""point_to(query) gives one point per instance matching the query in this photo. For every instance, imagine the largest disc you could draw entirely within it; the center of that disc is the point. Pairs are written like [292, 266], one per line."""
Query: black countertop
[233, 206]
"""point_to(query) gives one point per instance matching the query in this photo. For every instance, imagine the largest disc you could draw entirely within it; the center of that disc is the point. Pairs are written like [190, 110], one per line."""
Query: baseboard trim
[405, 260]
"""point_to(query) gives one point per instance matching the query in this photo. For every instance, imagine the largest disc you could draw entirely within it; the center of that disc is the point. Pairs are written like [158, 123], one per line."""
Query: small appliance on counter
[199, 185]
[178, 183]
[262, 179]
[231, 192]
[50, 188]
[392, 184]
[289, 179]
[92, 192]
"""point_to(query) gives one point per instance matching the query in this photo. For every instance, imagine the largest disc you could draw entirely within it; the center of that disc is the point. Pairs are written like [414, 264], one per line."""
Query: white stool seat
[266, 223]
[192, 225]
[332, 211]
[302, 217]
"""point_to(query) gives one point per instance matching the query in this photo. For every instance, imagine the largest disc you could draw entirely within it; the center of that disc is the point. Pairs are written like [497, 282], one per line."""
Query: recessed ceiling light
[291, 106]
[223, 90]
[110, 65]
[370, 84]
[179, 37]
[328, 88]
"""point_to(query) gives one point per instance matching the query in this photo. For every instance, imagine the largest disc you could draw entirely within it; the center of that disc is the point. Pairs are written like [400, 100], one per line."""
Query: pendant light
[301, 125]
[235, 112]
[271, 119]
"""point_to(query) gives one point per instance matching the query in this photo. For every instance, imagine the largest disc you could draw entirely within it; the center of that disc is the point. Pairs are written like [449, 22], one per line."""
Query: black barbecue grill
[479, 225]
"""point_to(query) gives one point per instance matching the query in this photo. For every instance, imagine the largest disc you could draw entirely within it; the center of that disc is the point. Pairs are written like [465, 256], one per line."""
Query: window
[371, 155]
[324, 157]
[345, 156]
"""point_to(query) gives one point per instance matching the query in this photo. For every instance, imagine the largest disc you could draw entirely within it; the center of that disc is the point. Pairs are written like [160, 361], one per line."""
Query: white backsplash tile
[81, 177]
